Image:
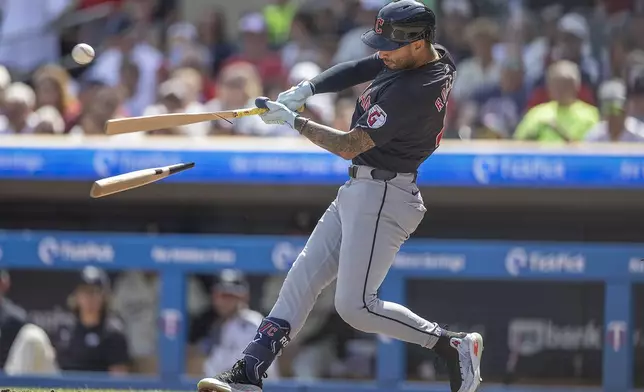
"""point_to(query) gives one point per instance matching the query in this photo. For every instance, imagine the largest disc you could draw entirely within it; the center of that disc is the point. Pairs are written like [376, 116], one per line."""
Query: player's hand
[295, 97]
[278, 113]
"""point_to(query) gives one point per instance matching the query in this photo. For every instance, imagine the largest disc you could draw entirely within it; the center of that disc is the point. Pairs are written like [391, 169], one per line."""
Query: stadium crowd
[533, 70]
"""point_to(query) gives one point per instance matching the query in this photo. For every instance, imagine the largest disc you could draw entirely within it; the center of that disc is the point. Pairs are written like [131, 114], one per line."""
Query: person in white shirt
[235, 325]
[481, 69]
[19, 104]
[617, 124]
[128, 45]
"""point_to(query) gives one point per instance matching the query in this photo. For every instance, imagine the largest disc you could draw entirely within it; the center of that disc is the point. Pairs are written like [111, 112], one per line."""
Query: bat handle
[260, 102]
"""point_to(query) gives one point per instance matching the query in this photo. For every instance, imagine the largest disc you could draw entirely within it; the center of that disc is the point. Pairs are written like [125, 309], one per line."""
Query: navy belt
[376, 174]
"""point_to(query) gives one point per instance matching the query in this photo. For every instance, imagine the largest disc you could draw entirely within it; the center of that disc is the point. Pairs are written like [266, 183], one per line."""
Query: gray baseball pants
[355, 242]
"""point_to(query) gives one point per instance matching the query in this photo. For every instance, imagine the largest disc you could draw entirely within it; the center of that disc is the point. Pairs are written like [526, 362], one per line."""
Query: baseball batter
[397, 124]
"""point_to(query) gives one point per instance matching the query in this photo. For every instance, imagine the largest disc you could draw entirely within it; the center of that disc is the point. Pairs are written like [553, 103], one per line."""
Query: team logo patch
[376, 117]
[378, 27]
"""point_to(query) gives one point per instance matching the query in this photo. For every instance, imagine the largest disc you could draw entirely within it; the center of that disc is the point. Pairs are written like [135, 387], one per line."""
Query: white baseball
[83, 54]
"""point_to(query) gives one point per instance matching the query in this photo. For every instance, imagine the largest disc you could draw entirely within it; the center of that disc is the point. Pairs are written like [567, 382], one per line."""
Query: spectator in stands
[616, 125]
[237, 86]
[106, 105]
[255, 49]
[128, 84]
[565, 118]
[5, 81]
[53, 87]
[183, 45]
[537, 52]
[18, 117]
[502, 103]
[24, 347]
[301, 46]
[481, 70]
[96, 341]
[351, 46]
[572, 45]
[456, 15]
[128, 45]
[222, 332]
[28, 40]
[635, 83]
[212, 33]
[279, 17]
[49, 121]
[174, 97]
[136, 300]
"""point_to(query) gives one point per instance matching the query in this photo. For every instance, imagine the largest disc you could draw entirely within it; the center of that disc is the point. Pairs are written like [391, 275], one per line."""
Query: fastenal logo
[519, 259]
[51, 250]
[284, 255]
[636, 265]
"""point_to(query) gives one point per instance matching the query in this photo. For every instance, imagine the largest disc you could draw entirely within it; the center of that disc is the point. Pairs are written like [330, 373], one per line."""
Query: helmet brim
[378, 42]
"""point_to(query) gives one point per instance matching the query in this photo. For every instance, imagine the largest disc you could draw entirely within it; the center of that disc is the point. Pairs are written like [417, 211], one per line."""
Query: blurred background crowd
[545, 70]
[527, 69]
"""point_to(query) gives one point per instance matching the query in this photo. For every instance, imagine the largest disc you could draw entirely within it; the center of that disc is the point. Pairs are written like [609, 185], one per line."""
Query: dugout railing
[174, 257]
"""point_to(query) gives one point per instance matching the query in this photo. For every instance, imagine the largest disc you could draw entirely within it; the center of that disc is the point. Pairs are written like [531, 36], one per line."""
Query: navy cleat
[233, 380]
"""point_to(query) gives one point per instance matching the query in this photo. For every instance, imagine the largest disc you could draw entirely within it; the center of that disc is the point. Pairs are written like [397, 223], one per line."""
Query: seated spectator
[24, 347]
[96, 341]
[565, 118]
[174, 97]
[480, 70]
[222, 333]
[635, 84]
[213, 34]
[52, 85]
[128, 43]
[19, 104]
[504, 103]
[301, 46]
[49, 121]
[127, 87]
[351, 46]
[449, 32]
[5, 81]
[255, 49]
[572, 45]
[616, 125]
[106, 105]
[237, 87]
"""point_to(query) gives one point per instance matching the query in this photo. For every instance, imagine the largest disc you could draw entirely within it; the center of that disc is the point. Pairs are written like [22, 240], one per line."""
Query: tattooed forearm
[344, 144]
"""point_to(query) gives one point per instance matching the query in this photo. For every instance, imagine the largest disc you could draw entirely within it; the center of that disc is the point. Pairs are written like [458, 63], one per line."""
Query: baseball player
[397, 124]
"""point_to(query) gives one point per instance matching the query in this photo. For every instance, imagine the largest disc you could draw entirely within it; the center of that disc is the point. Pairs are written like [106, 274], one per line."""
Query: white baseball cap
[574, 24]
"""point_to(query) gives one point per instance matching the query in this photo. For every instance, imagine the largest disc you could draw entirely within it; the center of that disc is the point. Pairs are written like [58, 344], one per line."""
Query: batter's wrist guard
[272, 336]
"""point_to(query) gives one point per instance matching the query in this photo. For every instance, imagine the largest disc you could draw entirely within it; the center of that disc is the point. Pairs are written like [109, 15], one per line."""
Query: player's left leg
[377, 218]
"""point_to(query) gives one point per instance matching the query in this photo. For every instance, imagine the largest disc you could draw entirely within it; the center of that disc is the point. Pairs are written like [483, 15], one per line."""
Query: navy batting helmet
[400, 23]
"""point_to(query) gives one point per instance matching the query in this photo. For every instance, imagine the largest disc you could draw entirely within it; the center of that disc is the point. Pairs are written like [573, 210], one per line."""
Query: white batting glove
[295, 97]
[278, 113]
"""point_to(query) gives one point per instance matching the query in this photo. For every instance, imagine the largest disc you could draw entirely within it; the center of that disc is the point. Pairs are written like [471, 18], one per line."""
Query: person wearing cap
[617, 124]
[571, 44]
[565, 118]
[19, 105]
[95, 342]
[255, 49]
[222, 332]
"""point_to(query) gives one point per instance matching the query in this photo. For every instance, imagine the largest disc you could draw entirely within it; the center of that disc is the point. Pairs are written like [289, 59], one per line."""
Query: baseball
[83, 54]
